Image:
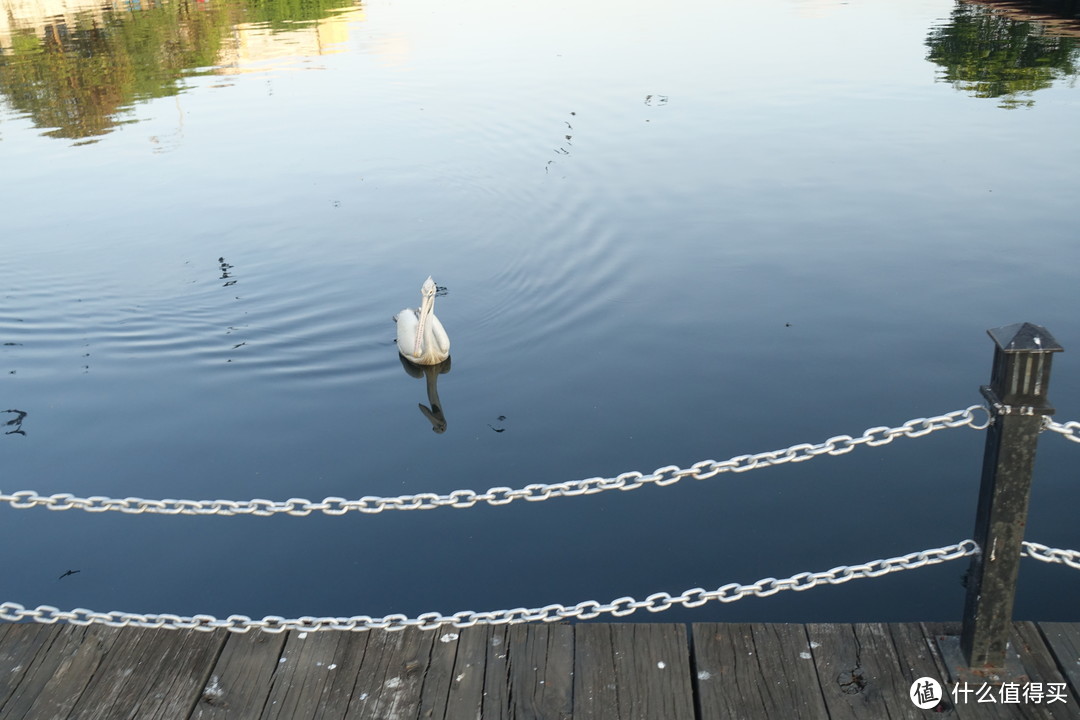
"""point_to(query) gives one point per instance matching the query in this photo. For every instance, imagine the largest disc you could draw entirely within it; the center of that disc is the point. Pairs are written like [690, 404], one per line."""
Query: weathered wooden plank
[1041, 666]
[858, 670]
[915, 651]
[59, 671]
[917, 654]
[837, 657]
[150, 674]
[889, 676]
[595, 695]
[965, 696]
[440, 672]
[541, 670]
[352, 649]
[465, 698]
[19, 645]
[1064, 642]
[315, 675]
[391, 675]
[764, 671]
[240, 679]
[652, 670]
[632, 671]
[787, 678]
[496, 702]
[300, 679]
[727, 672]
[587, 671]
[963, 710]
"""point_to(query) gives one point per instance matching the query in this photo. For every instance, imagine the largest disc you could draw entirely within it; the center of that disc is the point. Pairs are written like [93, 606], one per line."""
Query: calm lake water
[664, 234]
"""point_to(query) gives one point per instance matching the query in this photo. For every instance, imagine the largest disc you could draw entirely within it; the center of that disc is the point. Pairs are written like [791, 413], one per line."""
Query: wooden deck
[586, 670]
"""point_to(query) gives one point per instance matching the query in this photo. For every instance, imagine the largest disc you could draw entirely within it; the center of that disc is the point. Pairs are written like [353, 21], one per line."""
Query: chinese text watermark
[926, 693]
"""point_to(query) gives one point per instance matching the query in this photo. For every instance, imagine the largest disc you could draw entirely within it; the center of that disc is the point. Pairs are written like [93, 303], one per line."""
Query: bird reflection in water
[430, 373]
[14, 423]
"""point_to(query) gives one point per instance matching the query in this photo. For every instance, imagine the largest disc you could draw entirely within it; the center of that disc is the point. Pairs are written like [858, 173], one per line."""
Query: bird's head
[428, 288]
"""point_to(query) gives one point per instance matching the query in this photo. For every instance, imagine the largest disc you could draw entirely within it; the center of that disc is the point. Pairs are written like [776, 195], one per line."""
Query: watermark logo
[1012, 693]
[925, 693]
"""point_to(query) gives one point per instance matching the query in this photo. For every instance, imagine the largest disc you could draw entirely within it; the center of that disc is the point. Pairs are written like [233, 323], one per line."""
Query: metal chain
[657, 602]
[668, 475]
[1051, 555]
[1071, 429]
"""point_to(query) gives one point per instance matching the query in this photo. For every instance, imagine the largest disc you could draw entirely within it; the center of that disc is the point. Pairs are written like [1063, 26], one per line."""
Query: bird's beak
[425, 309]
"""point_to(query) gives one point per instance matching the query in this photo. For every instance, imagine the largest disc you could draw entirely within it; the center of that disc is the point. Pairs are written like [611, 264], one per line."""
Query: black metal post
[1018, 402]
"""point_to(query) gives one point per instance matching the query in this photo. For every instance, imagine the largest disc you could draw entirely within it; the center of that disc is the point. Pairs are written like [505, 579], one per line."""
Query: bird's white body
[421, 338]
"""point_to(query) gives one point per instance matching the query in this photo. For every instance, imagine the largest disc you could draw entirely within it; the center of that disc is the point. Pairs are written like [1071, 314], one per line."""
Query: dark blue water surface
[665, 233]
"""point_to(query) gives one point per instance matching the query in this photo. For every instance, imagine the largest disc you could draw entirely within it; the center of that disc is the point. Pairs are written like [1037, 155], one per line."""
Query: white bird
[421, 338]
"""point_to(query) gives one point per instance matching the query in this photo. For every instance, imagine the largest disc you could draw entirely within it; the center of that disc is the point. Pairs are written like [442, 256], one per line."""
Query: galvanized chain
[657, 602]
[1051, 555]
[1071, 429]
[668, 475]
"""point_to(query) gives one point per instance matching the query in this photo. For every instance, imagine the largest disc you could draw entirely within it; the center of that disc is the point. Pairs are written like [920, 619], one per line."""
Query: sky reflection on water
[718, 230]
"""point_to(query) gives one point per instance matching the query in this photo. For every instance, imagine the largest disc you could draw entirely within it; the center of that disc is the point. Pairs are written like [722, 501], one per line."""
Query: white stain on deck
[213, 690]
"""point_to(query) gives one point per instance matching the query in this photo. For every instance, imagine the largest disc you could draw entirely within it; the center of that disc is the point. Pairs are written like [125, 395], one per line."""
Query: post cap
[1024, 337]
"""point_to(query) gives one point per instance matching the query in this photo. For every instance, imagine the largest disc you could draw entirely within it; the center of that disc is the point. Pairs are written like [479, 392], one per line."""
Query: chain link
[1051, 555]
[587, 610]
[1071, 429]
[667, 475]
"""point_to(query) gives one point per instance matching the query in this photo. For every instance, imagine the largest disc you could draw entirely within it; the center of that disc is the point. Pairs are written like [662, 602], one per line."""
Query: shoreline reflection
[76, 69]
[988, 50]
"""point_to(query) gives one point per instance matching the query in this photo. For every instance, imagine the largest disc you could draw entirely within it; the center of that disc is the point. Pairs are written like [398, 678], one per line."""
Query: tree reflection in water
[79, 74]
[985, 51]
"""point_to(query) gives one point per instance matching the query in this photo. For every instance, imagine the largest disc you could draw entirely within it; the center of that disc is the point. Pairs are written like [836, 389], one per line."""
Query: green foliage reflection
[78, 75]
[992, 56]
[288, 14]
